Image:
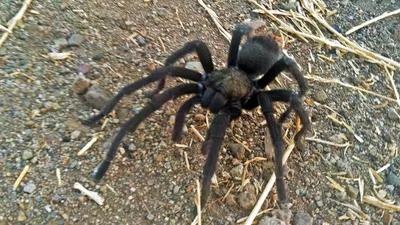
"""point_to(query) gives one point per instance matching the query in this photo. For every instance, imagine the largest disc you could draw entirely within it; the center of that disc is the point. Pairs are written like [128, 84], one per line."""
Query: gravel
[48, 107]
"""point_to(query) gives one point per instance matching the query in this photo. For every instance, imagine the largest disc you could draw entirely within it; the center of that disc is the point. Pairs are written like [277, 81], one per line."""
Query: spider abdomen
[233, 83]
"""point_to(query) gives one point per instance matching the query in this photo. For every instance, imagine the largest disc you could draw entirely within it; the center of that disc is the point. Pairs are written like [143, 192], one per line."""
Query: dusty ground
[154, 186]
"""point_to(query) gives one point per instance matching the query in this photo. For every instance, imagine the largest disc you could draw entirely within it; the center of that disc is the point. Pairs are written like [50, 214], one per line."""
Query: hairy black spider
[224, 92]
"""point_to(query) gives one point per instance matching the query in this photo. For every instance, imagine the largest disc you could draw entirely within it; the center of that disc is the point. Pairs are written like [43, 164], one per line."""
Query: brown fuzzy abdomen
[232, 82]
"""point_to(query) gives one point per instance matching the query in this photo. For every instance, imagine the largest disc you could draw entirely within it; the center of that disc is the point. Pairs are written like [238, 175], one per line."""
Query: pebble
[320, 203]
[21, 217]
[73, 125]
[29, 188]
[176, 189]
[283, 214]
[393, 179]
[352, 192]
[60, 42]
[196, 66]
[150, 217]
[302, 218]
[27, 155]
[341, 196]
[237, 171]
[81, 85]
[339, 138]
[266, 220]
[96, 97]
[392, 114]
[76, 40]
[151, 67]
[48, 208]
[75, 134]
[140, 40]
[237, 150]
[247, 200]
[29, 123]
[98, 55]
[321, 96]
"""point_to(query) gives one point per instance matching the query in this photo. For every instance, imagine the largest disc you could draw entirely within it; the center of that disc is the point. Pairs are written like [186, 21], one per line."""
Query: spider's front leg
[212, 147]
[204, 56]
[157, 74]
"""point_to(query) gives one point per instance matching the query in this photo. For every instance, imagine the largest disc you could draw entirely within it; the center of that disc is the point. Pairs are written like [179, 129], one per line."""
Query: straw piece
[267, 189]
[378, 203]
[91, 194]
[366, 23]
[216, 21]
[323, 80]
[13, 22]
[87, 146]
[309, 7]
[21, 176]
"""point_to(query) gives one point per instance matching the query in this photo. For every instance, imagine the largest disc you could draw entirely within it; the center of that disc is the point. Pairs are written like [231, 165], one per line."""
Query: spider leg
[213, 146]
[180, 116]
[239, 31]
[130, 88]
[275, 128]
[282, 64]
[295, 102]
[202, 51]
[132, 124]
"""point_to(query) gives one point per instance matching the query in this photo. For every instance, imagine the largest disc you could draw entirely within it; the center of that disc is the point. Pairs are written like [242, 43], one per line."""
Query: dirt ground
[39, 117]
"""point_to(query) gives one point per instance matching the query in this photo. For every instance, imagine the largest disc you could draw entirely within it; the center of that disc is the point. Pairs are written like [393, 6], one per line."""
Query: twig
[58, 174]
[268, 188]
[334, 81]
[186, 160]
[5, 29]
[21, 176]
[197, 133]
[328, 142]
[335, 184]
[383, 205]
[353, 208]
[216, 21]
[177, 16]
[383, 168]
[91, 194]
[396, 93]
[198, 203]
[162, 45]
[87, 146]
[366, 23]
[13, 22]
[309, 7]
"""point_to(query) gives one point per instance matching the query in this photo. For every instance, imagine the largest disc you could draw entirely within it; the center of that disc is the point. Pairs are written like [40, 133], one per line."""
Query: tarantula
[225, 92]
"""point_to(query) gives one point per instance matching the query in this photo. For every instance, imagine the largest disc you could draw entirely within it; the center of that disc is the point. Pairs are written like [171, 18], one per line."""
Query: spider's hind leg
[239, 31]
[295, 103]
[258, 55]
[275, 129]
[180, 117]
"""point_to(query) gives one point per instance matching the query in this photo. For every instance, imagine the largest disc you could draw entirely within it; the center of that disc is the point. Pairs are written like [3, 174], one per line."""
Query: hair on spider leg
[225, 92]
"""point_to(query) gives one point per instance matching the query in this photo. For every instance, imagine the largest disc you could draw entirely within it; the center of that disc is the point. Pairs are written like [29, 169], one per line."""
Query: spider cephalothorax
[225, 92]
